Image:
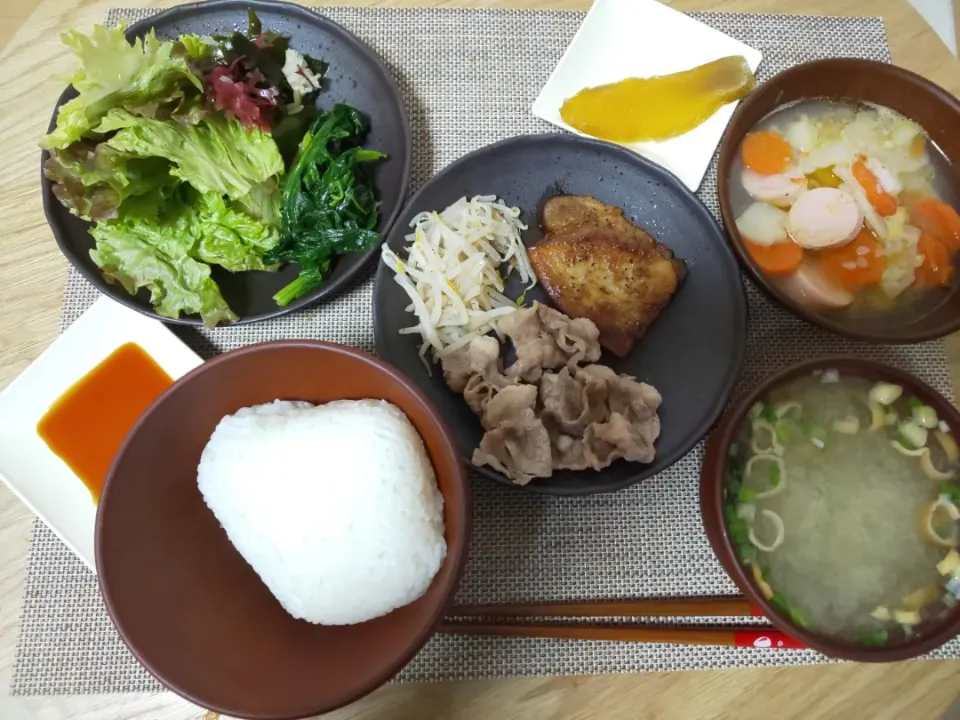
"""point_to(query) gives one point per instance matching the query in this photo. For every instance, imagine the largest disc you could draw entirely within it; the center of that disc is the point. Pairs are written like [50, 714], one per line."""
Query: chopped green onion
[925, 417]
[780, 602]
[788, 429]
[768, 413]
[746, 495]
[912, 436]
[903, 440]
[914, 403]
[774, 474]
[952, 491]
[817, 434]
[874, 638]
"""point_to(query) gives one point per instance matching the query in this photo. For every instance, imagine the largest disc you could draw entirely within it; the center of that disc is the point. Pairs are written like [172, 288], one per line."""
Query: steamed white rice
[335, 506]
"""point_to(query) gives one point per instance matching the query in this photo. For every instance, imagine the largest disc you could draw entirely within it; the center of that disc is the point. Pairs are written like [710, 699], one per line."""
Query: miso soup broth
[840, 499]
[848, 207]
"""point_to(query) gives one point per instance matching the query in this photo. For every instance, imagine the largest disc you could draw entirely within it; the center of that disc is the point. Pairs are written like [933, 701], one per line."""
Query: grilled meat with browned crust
[594, 263]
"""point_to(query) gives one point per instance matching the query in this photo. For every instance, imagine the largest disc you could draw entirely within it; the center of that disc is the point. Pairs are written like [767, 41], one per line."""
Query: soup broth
[849, 207]
[840, 499]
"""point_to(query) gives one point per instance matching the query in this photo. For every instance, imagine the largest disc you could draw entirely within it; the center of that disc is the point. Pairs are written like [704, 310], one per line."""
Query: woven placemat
[469, 79]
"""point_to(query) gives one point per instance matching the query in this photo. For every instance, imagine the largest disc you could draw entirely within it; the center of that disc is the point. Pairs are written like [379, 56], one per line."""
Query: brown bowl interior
[936, 110]
[184, 600]
[712, 497]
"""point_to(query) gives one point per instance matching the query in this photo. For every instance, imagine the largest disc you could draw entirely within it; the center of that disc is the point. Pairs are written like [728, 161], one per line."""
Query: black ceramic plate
[691, 354]
[356, 77]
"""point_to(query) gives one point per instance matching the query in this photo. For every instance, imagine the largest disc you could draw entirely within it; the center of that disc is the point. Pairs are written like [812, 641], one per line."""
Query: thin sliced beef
[516, 442]
[544, 339]
[480, 357]
[571, 402]
[537, 420]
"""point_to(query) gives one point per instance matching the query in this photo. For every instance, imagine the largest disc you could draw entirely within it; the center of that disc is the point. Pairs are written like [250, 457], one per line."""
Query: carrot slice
[936, 269]
[778, 259]
[938, 219]
[882, 201]
[766, 152]
[855, 265]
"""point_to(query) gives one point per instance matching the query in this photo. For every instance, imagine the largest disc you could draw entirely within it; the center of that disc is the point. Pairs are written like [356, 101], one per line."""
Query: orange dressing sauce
[87, 424]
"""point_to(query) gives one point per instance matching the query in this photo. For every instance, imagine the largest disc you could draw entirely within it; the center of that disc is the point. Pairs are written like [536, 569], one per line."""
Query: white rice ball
[335, 506]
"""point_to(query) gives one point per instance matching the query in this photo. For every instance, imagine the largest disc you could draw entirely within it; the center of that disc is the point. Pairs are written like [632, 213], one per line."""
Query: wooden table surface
[31, 280]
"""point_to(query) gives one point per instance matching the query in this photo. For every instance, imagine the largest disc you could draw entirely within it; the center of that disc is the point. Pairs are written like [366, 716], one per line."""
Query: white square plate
[642, 38]
[28, 467]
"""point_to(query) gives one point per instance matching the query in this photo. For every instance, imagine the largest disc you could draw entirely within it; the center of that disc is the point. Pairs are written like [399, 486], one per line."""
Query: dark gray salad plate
[356, 76]
[691, 354]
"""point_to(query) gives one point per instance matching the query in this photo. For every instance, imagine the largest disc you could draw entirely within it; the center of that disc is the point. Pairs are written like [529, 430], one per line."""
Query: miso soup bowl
[932, 107]
[931, 634]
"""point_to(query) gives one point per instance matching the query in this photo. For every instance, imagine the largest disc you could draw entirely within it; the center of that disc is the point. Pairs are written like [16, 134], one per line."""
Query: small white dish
[28, 467]
[642, 38]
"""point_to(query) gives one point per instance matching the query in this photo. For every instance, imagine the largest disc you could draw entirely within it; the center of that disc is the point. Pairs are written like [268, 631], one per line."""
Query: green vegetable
[746, 495]
[116, 74]
[215, 155]
[732, 483]
[747, 553]
[874, 638]
[263, 202]
[905, 441]
[92, 180]
[152, 256]
[784, 606]
[228, 238]
[914, 434]
[739, 535]
[196, 47]
[768, 413]
[797, 617]
[168, 254]
[254, 27]
[925, 416]
[328, 207]
[952, 491]
[774, 474]
[817, 434]
[914, 403]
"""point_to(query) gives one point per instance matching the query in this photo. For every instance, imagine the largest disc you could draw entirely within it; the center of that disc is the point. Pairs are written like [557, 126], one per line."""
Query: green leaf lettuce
[114, 73]
[169, 254]
[214, 155]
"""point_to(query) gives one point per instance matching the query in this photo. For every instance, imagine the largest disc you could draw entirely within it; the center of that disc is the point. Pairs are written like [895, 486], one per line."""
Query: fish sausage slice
[810, 287]
[824, 217]
[782, 189]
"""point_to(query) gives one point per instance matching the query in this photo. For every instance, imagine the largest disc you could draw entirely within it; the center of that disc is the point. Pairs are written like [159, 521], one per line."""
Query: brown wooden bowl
[930, 635]
[915, 97]
[186, 603]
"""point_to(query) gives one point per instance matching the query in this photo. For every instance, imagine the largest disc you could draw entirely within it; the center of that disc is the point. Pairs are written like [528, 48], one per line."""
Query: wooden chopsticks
[497, 622]
[649, 607]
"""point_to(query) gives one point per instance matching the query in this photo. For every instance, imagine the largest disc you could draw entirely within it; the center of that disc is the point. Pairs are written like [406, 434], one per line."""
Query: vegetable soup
[847, 206]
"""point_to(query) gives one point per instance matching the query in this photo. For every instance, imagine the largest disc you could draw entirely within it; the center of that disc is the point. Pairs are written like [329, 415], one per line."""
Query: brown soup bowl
[932, 107]
[186, 603]
[713, 494]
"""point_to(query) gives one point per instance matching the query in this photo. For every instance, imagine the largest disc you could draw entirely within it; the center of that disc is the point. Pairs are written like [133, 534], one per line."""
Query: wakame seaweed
[329, 206]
